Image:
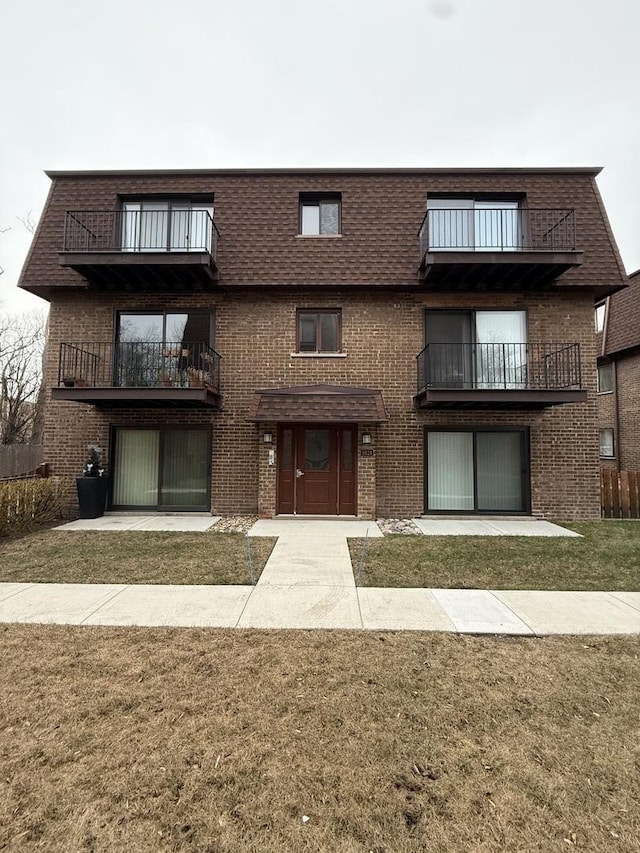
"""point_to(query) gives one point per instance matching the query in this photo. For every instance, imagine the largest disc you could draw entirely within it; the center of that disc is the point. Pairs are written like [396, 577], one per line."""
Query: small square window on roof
[319, 214]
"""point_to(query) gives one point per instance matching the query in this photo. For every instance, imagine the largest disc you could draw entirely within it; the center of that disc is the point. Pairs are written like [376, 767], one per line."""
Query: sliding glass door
[166, 225]
[476, 471]
[166, 468]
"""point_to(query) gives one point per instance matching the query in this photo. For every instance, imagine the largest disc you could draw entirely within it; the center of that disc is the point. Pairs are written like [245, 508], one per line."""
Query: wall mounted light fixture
[267, 437]
[366, 438]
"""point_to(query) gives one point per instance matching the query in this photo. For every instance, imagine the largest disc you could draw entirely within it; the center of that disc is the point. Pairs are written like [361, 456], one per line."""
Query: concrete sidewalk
[308, 582]
[330, 607]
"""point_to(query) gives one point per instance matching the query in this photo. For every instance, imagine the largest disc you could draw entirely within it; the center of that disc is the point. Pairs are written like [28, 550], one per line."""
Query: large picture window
[476, 471]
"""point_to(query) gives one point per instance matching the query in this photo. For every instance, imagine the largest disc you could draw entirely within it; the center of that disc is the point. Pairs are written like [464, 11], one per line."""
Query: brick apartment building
[618, 381]
[370, 342]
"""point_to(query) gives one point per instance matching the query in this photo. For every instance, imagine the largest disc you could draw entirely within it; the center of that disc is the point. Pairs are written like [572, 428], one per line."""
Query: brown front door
[316, 469]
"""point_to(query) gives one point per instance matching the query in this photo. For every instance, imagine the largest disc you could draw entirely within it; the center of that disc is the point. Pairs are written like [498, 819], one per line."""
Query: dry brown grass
[131, 557]
[220, 741]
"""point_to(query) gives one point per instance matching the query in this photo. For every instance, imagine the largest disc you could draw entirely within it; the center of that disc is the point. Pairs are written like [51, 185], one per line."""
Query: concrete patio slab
[572, 612]
[486, 527]
[59, 603]
[532, 528]
[191, 524]
[179, 606]
[402, 610]
[302, 606]
[7, 590]
[454, 527]
[181, 524]
[477, 611]
[319, 527]
[630, 598]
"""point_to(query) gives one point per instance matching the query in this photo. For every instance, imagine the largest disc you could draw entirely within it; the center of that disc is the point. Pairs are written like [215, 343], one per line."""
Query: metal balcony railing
[138, 364]
[498, 230]
[523, 367]
[172, 230]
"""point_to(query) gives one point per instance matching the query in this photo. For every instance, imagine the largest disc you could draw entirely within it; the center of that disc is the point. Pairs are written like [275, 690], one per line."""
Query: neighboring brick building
[311, 352]
[618, 348]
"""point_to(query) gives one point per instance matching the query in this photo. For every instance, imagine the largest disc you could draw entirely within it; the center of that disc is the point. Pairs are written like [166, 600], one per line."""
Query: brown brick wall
[628, 375]
[382, 334]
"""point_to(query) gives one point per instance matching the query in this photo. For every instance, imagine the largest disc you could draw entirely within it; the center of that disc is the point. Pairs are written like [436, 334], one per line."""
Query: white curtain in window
[450, 470]
[501, 351]
[191, 227]
[450, 224]
[136, 467]
[496, 226]
[499, 471]
[144, 226]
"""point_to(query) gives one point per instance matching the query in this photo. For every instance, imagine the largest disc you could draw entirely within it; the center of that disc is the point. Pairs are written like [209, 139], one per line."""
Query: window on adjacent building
[319, 214]
[319, 330]
[606, 443]
[601, 310]
[174, 225]
[605, 377]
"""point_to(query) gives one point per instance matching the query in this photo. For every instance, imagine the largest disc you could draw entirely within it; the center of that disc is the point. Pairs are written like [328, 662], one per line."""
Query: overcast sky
[258, 83]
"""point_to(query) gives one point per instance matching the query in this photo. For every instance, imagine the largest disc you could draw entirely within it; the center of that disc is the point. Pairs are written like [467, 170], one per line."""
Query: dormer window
[319, 214]
[173, 225]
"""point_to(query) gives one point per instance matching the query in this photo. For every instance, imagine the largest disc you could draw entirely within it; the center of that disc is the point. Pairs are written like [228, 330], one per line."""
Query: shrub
[24, 504]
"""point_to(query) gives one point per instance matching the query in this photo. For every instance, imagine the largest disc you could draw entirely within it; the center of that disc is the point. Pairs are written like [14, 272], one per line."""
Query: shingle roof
[623, 321]
[319, 403]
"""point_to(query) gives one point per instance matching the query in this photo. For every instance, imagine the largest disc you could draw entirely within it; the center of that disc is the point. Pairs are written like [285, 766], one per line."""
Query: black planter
[92, 496]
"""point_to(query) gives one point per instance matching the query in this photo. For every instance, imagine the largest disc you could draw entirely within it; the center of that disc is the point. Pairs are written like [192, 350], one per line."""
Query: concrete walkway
[308, 582]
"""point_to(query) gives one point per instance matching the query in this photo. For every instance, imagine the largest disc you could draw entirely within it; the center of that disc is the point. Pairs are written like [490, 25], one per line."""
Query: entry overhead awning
[319, 403]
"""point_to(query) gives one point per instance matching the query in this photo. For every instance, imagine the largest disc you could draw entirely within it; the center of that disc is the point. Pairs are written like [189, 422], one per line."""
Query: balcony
[139, 374]
[496, 248]
[498, 376]
[140, 250]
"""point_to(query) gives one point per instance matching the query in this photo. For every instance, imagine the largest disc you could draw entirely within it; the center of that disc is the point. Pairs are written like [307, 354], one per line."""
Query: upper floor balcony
[150, 246]
[467, 244]
[139, 374]
[498, 375]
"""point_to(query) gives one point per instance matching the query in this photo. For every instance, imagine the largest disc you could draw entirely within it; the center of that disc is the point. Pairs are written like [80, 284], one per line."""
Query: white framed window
[607, 450]
[605, 378]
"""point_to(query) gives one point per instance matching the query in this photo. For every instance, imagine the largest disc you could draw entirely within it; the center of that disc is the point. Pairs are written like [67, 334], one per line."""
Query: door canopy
[319, 404]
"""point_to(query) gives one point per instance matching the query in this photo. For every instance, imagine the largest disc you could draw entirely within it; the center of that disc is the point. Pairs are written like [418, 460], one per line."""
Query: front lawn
[607, 558]
[196, 741]
[131, 557]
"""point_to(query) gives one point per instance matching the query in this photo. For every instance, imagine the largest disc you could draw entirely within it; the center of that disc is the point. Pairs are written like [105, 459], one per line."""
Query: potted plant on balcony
[196, 377]
[92, 486]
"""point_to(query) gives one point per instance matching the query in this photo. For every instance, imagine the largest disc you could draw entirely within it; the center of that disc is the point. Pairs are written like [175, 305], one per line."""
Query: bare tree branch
[21, 351]
[28, 221]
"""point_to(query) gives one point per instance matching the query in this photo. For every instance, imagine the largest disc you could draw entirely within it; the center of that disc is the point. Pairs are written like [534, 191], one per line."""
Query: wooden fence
[19, 459]
[620, 493]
